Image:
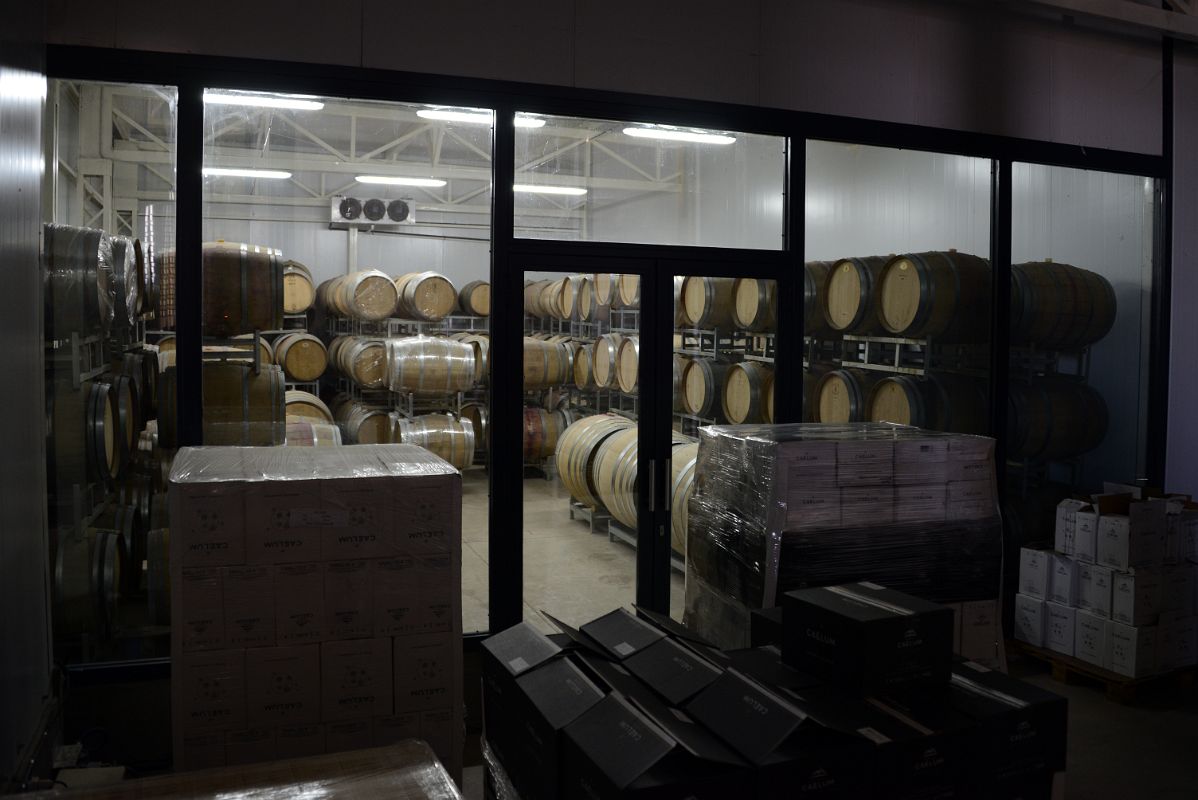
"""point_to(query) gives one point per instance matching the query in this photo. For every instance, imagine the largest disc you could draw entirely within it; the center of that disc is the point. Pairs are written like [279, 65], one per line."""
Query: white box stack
[319, 602]
[1120, 590]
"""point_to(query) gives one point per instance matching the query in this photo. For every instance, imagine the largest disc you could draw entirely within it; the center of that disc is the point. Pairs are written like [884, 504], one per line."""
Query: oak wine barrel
[682, 488]
[126, 290]
[702, 388]
[299, 290]
[604, 359]
[446, 436]
[87, 581]
[587, 305]
[584, 377]
[243, 289]
[851, 301]
[532, 298]
[1059, 306]
[815, 298]
[628, 290]
[566, 297]
[545, 363]
[842, 395]
[478, 415]
[128, 416]
[676, 389]
[628, 364]
[940, 295]
[80, 284]
[306, 406]
[429, 365]
[708, 302]
[164, 306]
[754, 304]
[542, 431]
[361, 359]
[427, 296]
[481, 344]
[937, 402]
[475, 298]
[368, 295]
[243, 408]
[616, 471]
[142, 366]
[309, 433]
[576, 452]
[604, 284]
[363, 424]
[1053, 419]
[767, 399]
[743, 396]
[302, 356]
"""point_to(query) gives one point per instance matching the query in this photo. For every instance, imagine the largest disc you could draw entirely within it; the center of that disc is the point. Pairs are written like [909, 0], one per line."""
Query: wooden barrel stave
[243, 289]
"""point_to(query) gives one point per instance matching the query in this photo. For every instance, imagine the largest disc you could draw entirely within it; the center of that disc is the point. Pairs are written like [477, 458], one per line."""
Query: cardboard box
[1136, 597]
[980, 630]
[1094, 589]
[283, 685]
[765, 626]
[299, 603]
[1034, 571]
[396, 728]
[299, 741]
[1031, 619]
[355, 734]
[673, 670]
[921, 503]
[207, 524]
[356, 680]
[441, 728]
[1085, 536]
[201, 750]
[1063, 580]
[440, 593]
[209, 691]
[970, 499]
[1130, 651]
[1135, 540]
[250, 746]
[1177, 641]
[200, 609]
[249, 606]
[348, 606]
[1066, 524]
[1058, 633]
[507, 655]
[921, 462]
[1178, 590]
[279, 527]
[866, 505]
[971, 458]
[865, 636]
[427, 516]
[620, 634]
[811, 507]
[355, 518]
[398, 608]
[865, 462]
[425, 671]
[1089, 638]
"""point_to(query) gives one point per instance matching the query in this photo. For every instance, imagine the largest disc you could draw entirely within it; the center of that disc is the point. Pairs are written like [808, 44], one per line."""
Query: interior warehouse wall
[24, 613]
[1182, 469]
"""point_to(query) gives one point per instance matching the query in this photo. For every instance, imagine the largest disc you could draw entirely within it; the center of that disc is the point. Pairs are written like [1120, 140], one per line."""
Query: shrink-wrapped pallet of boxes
[784, 507]
[317, 602]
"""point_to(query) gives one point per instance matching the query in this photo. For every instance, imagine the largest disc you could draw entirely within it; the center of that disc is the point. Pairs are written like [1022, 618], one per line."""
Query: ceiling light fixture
[396, 181]
[221, 172]
[476, 117]
[675, 135]
[263, 101]
[574, 191]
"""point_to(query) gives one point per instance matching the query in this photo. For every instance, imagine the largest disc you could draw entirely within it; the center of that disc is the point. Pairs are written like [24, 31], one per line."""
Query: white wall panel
[1182, 468]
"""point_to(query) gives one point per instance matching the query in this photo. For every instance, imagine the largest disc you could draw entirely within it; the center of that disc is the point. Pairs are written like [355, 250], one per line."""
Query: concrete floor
[568, 571]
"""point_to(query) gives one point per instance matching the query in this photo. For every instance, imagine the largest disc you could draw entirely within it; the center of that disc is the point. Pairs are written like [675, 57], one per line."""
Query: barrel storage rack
[871, 324]
[106, 470]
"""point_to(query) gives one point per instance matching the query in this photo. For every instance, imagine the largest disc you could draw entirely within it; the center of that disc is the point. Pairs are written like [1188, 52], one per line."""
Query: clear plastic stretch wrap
[429, 365]
[79, 280]
[781, 507]
[451, 438]
[126, 290]
[254, 464]
[404, 771]
[500, 785]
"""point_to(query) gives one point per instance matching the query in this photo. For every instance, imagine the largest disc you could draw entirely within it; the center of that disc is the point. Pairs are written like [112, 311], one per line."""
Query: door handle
[652, 485]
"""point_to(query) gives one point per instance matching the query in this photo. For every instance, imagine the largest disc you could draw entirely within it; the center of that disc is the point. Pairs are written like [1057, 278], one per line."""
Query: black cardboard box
[792, 755]
[507, 655]
[673, 670]
[621, 634]
[867, 638]
[765, 626]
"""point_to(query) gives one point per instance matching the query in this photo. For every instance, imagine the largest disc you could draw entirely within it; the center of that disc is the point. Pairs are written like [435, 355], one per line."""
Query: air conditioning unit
[371, 212]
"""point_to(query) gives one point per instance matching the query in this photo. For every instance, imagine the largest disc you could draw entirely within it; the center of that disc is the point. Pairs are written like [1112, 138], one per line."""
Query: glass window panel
[1082, 256]
[897, 287]
[611, 181]
[110, 227]
[353, 239]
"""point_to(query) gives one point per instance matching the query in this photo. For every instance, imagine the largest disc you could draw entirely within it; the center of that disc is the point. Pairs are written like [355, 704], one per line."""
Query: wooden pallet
[1119, 688]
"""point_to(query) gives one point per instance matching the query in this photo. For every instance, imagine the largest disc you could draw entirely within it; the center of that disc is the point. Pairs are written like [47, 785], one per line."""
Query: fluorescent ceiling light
[263, 101]
[674, 135]
[216, 172]
[399, 181]
[475, 117]
[570, 190]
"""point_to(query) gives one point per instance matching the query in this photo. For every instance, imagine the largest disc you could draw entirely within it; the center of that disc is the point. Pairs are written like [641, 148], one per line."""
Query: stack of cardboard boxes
[859, 697]
[1119, 589]
[316, 602]
[782, 507]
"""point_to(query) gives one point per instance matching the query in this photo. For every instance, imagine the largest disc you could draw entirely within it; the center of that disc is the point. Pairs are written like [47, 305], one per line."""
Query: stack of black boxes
[857, 696]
